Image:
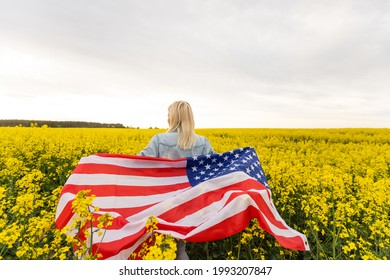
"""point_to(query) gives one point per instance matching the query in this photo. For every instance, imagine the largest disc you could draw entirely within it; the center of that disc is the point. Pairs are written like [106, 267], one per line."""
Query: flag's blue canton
[206, 167]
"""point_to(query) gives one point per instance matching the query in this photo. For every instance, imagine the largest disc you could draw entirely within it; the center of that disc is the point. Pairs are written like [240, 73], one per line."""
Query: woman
[179, 141]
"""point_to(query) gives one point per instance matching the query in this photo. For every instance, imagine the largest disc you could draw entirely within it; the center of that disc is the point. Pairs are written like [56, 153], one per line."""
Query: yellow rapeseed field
[331, 184]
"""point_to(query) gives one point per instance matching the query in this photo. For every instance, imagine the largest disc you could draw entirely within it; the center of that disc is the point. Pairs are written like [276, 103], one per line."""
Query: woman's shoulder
[170, 138]
[201, 140]
[205, 145]
[166, 137]
[163, 135]
[200, 137]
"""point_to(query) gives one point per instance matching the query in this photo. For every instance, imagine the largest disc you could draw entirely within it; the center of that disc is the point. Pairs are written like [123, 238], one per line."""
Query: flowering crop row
[331, 184]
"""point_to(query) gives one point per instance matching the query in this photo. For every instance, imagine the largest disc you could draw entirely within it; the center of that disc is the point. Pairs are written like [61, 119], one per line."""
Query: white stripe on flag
[123, 180]
[132, 201]
[133, 163]
[127, 230]
[64, 199]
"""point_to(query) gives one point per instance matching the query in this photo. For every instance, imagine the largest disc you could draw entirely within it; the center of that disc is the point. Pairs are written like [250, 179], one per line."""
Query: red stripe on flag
[65, 215]
[127, 212]
[115, 190]
[93, 168]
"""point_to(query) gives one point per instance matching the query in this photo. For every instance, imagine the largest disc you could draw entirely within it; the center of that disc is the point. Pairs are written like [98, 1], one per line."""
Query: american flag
[198, 199]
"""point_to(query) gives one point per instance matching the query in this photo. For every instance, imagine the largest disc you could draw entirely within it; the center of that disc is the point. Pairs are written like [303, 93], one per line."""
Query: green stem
[239, 247]
[101, 241]
[207, 251]
[91, 241]
[2, 250]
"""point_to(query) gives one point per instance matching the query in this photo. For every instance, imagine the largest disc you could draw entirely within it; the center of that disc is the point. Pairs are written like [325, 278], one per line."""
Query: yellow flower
[331, 184]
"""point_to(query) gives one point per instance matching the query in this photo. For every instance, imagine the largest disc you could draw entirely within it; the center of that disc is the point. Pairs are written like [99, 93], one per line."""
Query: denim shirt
[164, 145]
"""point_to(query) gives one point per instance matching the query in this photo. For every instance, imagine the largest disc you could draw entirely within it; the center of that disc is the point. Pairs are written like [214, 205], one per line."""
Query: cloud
[278, 60]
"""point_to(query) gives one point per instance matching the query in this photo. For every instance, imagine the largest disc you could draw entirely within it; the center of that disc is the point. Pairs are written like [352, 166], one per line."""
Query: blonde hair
[181, 120]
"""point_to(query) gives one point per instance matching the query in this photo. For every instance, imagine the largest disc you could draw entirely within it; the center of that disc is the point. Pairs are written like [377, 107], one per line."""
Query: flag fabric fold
[198, 199]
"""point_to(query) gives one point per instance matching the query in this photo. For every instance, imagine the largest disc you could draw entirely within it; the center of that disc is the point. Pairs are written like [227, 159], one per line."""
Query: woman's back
[164, 145]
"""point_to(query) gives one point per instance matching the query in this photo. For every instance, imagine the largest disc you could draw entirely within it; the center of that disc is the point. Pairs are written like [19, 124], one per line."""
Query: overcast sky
[239, 63]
